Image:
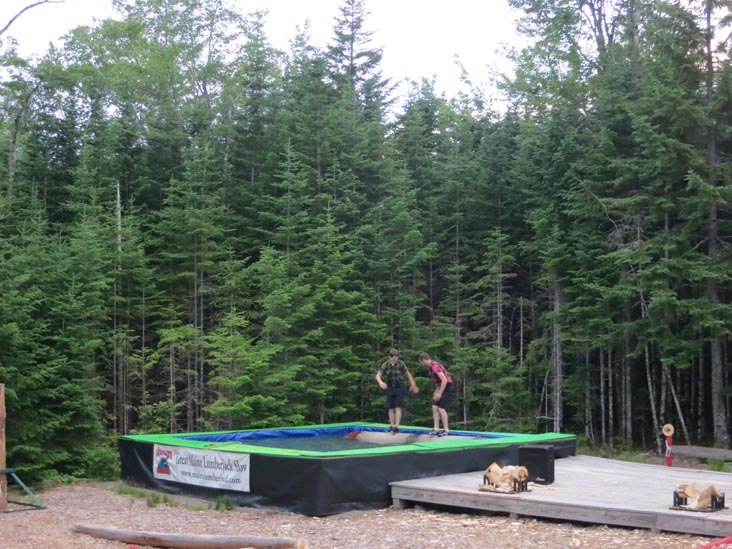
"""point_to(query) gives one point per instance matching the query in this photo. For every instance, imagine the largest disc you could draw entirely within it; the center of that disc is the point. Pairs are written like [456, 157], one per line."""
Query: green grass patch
[224, 503]
[153, 498]
[718, 465]
[125, 490]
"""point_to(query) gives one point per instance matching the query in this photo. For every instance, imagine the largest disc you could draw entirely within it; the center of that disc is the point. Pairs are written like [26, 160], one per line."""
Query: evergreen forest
[199, 231]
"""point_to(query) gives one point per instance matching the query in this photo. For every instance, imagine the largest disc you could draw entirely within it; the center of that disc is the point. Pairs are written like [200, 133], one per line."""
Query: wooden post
[3, 476]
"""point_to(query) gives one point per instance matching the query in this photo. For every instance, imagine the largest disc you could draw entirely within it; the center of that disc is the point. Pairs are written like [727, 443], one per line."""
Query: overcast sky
[420, 38]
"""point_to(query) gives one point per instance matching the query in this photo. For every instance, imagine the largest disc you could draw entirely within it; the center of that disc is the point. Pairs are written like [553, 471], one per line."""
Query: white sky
[420, 38]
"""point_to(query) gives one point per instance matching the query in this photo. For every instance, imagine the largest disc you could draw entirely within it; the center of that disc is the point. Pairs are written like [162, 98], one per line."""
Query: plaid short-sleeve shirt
[393, 374]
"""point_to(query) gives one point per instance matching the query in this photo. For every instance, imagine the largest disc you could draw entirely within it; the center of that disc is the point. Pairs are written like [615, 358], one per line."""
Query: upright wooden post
[3, 465]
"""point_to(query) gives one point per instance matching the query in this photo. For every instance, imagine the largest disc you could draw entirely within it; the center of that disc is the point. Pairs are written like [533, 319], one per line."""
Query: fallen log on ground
[188, 541]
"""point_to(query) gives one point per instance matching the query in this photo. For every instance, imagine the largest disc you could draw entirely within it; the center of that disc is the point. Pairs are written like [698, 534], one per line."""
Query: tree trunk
[557, 357]
[15, 141]
[679, 411]
[603, 414]
[662, 401]
[627, 368]
[588, 401]
[719, 412]
[700, 397]
[498, 344]
[143, 350]
[652, 400]
[3, 463]
[610, 402]
[521, 333]
[627, 401]
[171, 390]
[118, 358]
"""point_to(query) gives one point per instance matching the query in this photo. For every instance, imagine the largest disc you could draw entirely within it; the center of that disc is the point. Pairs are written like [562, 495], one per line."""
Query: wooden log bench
[702, 452]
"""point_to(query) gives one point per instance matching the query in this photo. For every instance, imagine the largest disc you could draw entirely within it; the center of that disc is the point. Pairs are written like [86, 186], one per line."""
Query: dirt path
[98, 504]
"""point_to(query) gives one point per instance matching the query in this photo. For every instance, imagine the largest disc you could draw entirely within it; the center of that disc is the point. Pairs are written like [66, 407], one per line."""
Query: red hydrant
[668, 430]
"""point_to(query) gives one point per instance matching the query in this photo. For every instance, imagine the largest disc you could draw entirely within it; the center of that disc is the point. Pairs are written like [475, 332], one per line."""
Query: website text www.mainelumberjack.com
[211, 478]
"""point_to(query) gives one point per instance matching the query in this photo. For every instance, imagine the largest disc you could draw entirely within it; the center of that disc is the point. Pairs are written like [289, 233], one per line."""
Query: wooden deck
[587, 489]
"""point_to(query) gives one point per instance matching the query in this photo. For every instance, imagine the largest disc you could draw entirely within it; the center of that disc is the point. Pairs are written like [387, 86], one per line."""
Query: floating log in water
[377, 437]
[189, 541]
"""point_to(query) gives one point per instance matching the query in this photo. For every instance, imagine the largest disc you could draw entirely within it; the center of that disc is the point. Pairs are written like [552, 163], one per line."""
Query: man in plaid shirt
[391, 377]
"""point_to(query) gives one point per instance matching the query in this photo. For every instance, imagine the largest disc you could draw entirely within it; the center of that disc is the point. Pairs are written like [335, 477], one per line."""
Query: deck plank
[586, 489]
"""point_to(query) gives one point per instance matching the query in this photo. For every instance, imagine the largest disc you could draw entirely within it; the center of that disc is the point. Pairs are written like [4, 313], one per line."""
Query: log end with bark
[504, 479]
[697, 498]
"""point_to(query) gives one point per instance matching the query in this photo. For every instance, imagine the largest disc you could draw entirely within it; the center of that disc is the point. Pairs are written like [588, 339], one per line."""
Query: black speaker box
[539, 460]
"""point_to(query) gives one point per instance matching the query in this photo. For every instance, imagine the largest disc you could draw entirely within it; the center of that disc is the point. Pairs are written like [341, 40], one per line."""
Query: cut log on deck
[188, 541]
[702, 452]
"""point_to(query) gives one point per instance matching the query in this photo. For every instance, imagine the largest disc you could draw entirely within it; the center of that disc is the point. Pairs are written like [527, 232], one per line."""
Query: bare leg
[443, 415]
[397, 416]
[436, 416]
[391, 416]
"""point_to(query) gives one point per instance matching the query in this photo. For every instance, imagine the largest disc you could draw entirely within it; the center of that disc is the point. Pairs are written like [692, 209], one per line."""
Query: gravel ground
[98, 504]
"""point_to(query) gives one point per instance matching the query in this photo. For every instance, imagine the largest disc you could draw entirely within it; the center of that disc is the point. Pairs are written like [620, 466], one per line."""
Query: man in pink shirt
[443, 396]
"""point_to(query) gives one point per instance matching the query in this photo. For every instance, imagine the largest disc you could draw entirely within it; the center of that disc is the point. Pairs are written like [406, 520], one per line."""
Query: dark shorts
[447, 397]
[395, 396]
